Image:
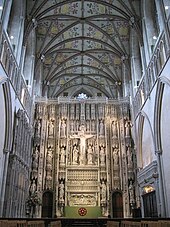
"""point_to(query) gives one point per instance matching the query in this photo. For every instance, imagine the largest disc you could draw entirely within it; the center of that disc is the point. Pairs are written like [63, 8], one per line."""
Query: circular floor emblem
[82, 211]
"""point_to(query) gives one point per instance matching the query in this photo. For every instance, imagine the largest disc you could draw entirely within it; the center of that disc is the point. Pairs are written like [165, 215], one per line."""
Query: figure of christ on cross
[82, 136]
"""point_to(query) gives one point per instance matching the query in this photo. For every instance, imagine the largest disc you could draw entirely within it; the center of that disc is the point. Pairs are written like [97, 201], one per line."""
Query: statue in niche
[90, 155]
[127, 128]
[63, 128]
[51, 128]
[102, 155]
[101, 128]
[75, 155]
[61, 191]
[103, 192]
[33, 187]
[49, 155]
[62, 155]
[116, 155]
[82, 136]
[35, 158]
[114, 129]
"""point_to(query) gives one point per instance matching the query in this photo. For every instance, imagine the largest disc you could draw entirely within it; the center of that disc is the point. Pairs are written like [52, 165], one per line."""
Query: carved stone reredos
[82, 147]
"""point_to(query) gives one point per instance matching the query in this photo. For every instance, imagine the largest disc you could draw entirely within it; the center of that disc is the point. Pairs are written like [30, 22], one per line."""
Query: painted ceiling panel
[83, 43]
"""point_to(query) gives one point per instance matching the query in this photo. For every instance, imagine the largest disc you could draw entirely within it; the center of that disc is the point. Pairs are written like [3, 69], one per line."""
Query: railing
[13, 72]
[157, 62]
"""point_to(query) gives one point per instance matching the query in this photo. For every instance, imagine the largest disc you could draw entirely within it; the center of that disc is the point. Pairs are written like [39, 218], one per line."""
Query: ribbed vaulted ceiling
[81, 45]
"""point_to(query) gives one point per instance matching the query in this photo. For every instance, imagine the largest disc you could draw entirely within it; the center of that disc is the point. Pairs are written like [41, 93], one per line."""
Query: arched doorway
[150, 202]
[47, 204]
[117, 205]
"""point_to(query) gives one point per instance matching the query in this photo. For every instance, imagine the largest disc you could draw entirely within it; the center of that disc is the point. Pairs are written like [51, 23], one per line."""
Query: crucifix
[82, 136]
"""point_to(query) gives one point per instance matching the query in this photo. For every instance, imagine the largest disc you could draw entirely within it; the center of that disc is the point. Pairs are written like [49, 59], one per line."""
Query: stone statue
[102, 155]
[116, 155]
[75, 155]
[51, 128]
[49, 155]
[63, 128]
[61, 191]
[82, 136]
[90, 155]
[103, 192]
[33, 187]
[127, 128]
[129, 155]
[101, 128]
[114, 129]
[62, 155]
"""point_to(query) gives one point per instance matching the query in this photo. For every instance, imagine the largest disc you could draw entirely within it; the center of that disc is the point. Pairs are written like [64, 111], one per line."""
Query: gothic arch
[162, 81]
[144, 117]
[158, 107]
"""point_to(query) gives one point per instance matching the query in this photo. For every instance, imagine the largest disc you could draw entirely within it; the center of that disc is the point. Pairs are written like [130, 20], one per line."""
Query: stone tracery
[81, 153]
